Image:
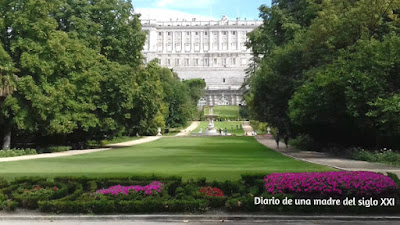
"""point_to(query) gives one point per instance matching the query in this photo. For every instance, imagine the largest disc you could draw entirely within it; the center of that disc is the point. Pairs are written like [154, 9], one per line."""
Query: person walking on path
[286, 139]
[277, 140]
[226, 131]
[220, 131]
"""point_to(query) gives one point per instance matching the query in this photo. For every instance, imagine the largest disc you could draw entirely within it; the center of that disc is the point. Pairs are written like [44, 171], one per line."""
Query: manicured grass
[230, 125]
[216, 158]
[228, 111]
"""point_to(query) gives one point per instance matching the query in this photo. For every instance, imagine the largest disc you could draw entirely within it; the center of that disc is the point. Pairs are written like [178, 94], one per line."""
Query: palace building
[214, 51]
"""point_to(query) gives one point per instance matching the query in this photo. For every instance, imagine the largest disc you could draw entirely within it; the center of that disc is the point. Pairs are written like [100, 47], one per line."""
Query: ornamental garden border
[169, 194]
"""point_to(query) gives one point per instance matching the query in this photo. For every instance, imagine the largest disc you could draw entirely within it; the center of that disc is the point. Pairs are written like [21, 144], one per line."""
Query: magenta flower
[332, 183]
[118, 189]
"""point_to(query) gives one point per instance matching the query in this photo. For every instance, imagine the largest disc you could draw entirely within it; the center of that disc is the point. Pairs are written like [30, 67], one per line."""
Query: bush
[29, 197]
[17, 152]
[8, 205]
[3, 183]
[259, 127]
[386, 156]
[52, 149]
[77, 194]
[304, 142]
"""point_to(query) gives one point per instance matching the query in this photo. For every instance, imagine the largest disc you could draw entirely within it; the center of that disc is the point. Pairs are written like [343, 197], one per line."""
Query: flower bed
[144, 195]
[118, 189]
[343, 183]
[210, 191]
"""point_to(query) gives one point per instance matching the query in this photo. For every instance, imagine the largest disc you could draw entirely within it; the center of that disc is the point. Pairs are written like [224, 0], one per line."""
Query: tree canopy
[329, 69]
[74, 70]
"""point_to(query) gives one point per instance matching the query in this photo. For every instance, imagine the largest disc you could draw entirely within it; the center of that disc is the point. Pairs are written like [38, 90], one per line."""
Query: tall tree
[7, 87]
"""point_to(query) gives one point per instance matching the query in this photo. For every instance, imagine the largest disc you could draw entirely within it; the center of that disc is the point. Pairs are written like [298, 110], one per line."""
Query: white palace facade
[214, 51]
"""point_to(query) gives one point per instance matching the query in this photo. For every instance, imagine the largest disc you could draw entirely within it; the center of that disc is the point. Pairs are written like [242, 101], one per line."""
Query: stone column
[182, 42]
[173, 42]
[238, 40]
[228, 47]
[201, 43]
[237, 99]
[219, 40]
[233, 100]
[210, 38]
[164, 42]
[191, 42]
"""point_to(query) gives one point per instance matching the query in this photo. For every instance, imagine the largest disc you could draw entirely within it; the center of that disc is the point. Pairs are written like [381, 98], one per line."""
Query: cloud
[167, 15]
[185, 4]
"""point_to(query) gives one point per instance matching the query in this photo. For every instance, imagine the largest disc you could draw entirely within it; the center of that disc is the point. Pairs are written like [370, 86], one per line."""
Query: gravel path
[189, 129]
[247, 128]
[327, 159]
[135, 142]
[79, 152]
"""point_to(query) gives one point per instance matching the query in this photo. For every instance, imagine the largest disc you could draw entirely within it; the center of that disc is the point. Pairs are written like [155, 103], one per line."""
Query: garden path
[189, 129]
[327, 159]
[247, 128]
[79, 152]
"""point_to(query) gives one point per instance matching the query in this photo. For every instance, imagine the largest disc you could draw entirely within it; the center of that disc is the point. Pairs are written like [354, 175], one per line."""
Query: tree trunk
[7, 140]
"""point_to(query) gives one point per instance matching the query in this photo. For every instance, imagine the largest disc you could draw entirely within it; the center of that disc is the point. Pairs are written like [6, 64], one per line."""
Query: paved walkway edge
[135, 142]
[300, 159]
[79, 152]
[200, 217]
[375, 166]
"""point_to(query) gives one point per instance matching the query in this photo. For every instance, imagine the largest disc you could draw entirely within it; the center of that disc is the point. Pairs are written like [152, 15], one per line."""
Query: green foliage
[386, 156]
[73, 71]
[185, 198]
[259, 127]
[54, 149]
[196, 89]
[17, 152]
[328, 69]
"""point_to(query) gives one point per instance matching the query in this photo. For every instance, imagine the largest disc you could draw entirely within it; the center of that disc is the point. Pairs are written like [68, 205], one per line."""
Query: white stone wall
[211, 50]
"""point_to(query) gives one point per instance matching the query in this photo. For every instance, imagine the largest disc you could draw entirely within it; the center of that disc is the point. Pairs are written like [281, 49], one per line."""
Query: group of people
[285, 139]
[220, 131]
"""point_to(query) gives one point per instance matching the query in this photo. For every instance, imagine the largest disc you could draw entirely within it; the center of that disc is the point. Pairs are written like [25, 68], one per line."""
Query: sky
[204, 9]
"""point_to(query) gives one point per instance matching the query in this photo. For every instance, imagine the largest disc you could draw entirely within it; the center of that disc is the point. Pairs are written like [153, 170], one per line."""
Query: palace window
[206, 33]
[177, 62]
[223, 80]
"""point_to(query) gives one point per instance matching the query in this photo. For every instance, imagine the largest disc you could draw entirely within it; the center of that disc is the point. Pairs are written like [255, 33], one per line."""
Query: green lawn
[216, 158]
[228, 111]
[230, 125]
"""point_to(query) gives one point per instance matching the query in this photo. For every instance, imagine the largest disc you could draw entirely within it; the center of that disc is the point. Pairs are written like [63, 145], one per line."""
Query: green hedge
[17, 152]
[77, 195]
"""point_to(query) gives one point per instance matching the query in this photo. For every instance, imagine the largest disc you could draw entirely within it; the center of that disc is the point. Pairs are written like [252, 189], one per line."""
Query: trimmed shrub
[52, 149]
[17, 152]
